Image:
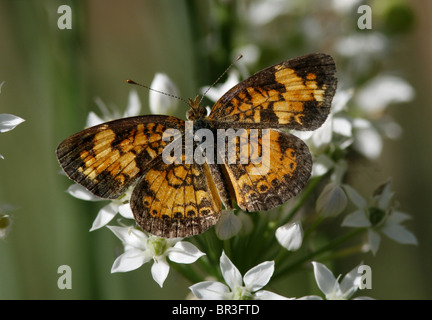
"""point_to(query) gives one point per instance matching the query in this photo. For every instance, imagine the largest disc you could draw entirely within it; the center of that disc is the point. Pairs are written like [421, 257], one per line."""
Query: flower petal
[229, 271]
[93, 119]
[290, 236]
[9, 121]
[324, 278]
[267, 295]
[130, 236]
[397, 217]
[159, 271]
[357, 219]
[184, 252]
[134, 105]
[126, 211]
[228, 225]
[367, 139]
[130, 260]
[383, 90]
[355, 197]
[105, 215]
[162, 103]
[350, 282]
[399, 234]
[322, 165]
[310, 298]
[82, 193]
[341, 98]
[342, 126]
[384, 195]
[322, 137]
[210, 290]
[331, 201]
[259, 276]
[363, 298]
[374, 240]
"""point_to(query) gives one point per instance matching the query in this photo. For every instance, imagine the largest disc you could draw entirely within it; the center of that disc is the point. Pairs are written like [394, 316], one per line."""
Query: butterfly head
[196, 110]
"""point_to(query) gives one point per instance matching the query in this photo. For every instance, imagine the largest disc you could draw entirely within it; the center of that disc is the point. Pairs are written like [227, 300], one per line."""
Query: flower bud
[331, 201]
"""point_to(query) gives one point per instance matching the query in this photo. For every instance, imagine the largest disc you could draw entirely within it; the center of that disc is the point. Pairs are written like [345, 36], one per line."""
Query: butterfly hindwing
[271, 181]
[176, 200]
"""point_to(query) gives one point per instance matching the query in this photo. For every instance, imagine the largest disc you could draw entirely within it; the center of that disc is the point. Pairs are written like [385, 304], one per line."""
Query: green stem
[345, 252]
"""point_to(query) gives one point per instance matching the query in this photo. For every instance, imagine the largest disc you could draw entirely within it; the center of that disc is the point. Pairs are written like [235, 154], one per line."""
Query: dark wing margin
[295, 94]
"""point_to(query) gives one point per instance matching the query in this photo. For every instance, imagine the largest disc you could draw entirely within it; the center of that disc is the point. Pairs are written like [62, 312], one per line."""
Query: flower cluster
[270, 245]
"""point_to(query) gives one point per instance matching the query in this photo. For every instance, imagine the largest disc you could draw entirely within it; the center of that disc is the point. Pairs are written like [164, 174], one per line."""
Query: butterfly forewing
[295, 94]
[108, 158]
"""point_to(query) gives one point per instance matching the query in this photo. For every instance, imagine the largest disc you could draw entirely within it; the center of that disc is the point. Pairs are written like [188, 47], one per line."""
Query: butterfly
[184, 198]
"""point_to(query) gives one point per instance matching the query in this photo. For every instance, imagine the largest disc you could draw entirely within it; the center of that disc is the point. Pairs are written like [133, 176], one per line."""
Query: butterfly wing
[108, 158]
[295, 94]
[280, 173]
[176, 200]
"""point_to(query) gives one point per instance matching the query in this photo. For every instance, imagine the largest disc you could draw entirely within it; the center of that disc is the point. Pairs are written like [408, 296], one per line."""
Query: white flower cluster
[339, 132]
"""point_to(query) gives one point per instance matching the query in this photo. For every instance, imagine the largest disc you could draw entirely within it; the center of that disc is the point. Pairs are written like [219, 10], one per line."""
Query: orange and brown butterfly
[180, 199]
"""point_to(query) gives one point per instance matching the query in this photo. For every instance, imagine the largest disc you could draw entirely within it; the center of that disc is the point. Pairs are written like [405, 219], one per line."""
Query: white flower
[382, 91]
[133, 109]
[260, 13]
[242, 288]
[378, 216]
[164, 101]
[331, 201]
[290, 236]
[107, 213]
[345, 6]
[141, 248]
[361, 45]
[8, 121]
[367, 139]
[331, 287]
[228, 225]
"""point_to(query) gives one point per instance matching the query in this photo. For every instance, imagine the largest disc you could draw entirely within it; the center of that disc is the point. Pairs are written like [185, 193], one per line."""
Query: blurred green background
[53, 76]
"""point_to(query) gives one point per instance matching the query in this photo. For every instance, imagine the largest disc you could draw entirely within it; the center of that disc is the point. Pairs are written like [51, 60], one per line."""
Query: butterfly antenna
[217, 80]
[161, 92]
